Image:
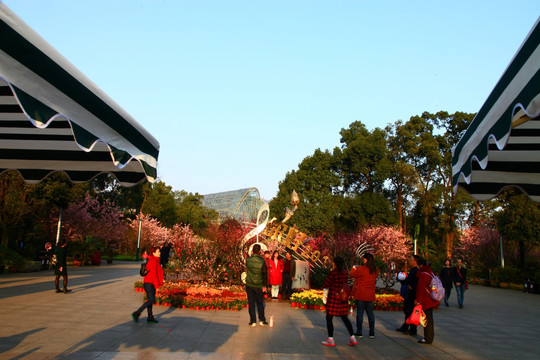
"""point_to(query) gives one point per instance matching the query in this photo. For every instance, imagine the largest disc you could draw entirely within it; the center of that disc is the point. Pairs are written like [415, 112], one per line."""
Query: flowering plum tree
[92, 218]
[152, 232]
[390, 246]
[479, 247]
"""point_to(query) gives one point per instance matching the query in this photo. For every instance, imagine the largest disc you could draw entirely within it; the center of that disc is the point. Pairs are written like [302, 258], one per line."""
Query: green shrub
[507, 274]
[318, 277]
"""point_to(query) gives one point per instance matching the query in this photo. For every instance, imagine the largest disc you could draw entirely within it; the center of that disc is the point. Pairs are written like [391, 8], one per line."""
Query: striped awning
[53, 118]
[501, 147]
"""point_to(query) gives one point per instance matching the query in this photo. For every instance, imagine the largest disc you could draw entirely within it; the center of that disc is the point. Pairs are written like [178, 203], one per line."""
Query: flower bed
[199, 297]
[312, 299]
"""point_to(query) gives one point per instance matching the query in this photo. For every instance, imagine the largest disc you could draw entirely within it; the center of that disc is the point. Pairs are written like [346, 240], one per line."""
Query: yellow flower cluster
[314, 297]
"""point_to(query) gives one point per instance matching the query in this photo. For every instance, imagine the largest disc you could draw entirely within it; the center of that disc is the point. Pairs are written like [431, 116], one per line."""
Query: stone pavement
[94, 322]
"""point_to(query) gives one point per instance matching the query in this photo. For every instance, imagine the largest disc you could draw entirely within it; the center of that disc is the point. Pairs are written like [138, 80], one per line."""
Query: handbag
[464, 281]
[345, 293]
[414, 319]
[423, 319]
[144, 270]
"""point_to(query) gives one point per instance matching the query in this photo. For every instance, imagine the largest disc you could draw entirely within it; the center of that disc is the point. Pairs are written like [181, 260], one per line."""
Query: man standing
[460, 281]
[256, 281]
[289, 268]
[408, 304]
[60, 268]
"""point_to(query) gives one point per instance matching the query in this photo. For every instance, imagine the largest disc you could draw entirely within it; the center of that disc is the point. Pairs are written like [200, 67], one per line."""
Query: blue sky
[239, 92]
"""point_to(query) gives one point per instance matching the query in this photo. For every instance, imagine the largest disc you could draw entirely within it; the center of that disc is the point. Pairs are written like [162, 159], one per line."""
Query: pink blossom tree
[479, 247]
[93, 219]
[391, 246]
[152, 232]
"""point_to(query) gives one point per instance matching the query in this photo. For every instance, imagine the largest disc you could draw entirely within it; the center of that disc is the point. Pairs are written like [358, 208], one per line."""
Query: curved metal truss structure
[242, 205]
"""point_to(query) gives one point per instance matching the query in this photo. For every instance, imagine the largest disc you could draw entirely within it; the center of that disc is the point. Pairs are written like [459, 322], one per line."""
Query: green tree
[451, 126]
[402, 181]
[421, 149]
[15, 204]
[519, 223]
[364, 162]
[317, 184]
[160, 203]
[191, 212]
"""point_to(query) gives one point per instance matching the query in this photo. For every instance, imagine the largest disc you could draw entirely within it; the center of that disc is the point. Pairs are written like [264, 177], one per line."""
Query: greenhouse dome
[242, 205]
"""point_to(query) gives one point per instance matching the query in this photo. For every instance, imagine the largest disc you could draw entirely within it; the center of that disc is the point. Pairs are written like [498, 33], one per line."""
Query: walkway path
[94, 322]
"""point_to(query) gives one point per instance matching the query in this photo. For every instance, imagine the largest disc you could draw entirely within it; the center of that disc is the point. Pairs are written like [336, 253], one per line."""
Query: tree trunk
[400, 208]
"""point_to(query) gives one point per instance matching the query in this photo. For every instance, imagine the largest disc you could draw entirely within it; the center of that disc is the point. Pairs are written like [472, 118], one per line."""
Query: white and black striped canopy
[501, 147]
[53, 118]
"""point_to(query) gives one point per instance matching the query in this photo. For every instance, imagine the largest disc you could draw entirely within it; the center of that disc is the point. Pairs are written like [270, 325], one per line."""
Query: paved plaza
[94, 322]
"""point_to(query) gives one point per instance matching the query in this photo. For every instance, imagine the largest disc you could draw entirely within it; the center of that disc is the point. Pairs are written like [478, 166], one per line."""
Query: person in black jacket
[446, 279]
[460, 281]
[408, 303]
[60, 268]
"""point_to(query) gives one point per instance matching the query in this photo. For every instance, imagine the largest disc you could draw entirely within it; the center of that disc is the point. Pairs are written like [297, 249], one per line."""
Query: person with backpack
[152, 281]
[424, 297]
[460, 281]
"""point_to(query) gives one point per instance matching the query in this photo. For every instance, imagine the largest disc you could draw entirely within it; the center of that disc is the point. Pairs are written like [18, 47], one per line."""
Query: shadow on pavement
[10, 342]
[172, 334]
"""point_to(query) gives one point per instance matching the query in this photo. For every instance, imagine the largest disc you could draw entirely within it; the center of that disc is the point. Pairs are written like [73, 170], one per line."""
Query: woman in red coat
[152, 281]
[365, 278]
[423, 297]
[276, 273]
[334, 305]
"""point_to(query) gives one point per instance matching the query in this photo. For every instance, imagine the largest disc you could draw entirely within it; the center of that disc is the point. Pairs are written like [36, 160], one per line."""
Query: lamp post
[139, 238]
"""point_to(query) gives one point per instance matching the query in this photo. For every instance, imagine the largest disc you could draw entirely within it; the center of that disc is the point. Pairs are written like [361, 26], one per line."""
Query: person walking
[365, 278]
[423, 297]
[152, 281]
[408, 303]
[256, 281]
[289, 269]
[334, 305]
[276, 274]
[460, 281]
[60, 268]
[447, 280]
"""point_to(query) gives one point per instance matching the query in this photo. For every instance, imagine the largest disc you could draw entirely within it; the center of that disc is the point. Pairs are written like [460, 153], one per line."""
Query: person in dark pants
[334, 305]
[408, 303]
[152, 281]
[423, 297]
[460, 281]
[289, 269]
[446, 279]
[256, 283]
[60, 268]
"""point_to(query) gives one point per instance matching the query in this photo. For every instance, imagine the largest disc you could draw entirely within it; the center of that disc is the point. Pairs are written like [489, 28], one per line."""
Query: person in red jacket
[152, 281]
[423, 297]
[365, 278]
[276, 273]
